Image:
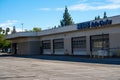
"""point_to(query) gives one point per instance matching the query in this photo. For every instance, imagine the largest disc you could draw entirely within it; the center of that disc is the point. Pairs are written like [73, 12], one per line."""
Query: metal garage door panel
[79, 52]
[59, 51]
[46, 51]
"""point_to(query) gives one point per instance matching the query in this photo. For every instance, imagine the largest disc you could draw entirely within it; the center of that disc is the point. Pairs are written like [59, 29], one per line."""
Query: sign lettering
[94, 24]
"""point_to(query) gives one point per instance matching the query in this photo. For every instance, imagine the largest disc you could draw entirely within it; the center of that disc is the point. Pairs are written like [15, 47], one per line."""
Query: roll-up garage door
[58, 46]
[46, 47]
[100, 44]
[79, 46]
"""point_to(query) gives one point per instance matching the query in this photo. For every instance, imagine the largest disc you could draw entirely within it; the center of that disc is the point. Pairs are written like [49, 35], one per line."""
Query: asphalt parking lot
[31, 68]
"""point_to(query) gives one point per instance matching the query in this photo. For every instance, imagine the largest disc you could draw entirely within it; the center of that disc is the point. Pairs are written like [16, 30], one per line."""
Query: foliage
[7, 30]
[4, 43]
[36, 29]
[105, 15]
[67, 20]
[14, 30]
[98, 17]
[0, 30]
[95, 18]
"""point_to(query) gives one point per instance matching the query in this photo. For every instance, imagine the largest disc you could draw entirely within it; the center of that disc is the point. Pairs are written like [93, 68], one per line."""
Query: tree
[105, 16]
[36, 29]
[62, 23]
[98, 17]
[1, 41]
[4, 44]
[0, 30]
[95, 18]
[7, 30]
[67, 20]
[3, 31]
[54, 27]
[14, 30]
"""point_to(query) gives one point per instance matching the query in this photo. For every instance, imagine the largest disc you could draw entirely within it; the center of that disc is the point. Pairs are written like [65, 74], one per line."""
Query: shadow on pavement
[115, 61]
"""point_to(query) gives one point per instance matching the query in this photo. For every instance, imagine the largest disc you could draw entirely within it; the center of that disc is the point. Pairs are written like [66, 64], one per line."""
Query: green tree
[95, 18]
[14, 30]
[98, 17]
[3, 31]
[0, 30]
[54, 27]
[105, 16]
[4, 44]
[67, 20]
[36, 29]
[1, 41]
[7, 30]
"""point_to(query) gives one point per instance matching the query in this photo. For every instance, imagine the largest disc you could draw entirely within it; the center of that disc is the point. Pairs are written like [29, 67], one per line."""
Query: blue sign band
[93, 24]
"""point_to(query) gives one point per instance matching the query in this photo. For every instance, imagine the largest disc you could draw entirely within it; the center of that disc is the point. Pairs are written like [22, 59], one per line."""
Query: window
[79, 42]
[46, 44]
[58, 43]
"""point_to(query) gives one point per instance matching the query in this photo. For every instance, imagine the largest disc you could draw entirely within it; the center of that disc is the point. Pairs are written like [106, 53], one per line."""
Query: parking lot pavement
[20, 68]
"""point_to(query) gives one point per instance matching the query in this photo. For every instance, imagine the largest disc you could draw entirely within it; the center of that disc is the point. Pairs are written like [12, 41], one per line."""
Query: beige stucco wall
[23, 48]
[27, 46]
[19, 40]
[113, 31]
[114, 40]
[31, 45]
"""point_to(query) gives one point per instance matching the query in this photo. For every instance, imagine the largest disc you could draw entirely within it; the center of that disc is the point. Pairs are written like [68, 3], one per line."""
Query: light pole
[22, 26]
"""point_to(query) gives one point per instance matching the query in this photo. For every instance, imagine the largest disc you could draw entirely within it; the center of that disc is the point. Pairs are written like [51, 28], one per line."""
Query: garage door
[79, 46]
[46, 47]
[58, 46]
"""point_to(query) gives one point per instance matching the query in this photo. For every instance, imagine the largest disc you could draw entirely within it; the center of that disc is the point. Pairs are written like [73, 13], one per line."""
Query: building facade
[91, 38]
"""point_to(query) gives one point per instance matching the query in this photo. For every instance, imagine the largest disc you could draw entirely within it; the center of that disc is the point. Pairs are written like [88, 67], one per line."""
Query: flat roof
[114, 19]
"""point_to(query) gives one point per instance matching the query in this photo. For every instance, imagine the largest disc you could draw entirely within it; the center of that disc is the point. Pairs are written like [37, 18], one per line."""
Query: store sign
[94, 24]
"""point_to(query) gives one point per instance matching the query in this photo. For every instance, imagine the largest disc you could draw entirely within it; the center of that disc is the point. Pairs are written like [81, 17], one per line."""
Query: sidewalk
[115, 61]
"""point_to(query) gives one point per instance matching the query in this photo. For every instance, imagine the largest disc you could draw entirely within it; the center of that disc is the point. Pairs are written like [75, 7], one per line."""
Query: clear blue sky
[48, 13]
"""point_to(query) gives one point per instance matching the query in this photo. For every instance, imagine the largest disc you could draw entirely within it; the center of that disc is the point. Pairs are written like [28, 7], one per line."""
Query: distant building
[96, 37]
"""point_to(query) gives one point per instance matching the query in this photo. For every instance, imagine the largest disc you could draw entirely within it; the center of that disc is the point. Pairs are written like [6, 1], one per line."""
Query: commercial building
[96, 37]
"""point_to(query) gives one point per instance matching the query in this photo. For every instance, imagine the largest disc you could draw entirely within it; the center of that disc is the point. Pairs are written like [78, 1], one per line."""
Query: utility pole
[22, 26]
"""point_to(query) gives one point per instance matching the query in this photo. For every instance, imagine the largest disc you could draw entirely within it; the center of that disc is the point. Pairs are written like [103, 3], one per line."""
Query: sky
[48, 13]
